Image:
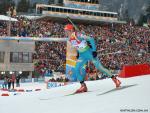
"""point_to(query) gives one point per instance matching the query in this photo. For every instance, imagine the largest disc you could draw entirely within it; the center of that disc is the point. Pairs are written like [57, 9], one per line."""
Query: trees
[23, 6]
[144, 17]
[5, 5]
[148, 9]
[2, 7]
[50, 1]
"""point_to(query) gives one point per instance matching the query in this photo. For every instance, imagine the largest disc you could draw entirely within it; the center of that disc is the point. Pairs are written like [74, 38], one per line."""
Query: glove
[77, 55]
[89, 44]
[94, 54]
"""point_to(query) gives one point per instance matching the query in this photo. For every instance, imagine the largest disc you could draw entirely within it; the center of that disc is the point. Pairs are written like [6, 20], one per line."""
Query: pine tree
[5, 5]
[2, 7]
[50, 1]
[23, 6]
[148, 9]
[126, 15]
[141, 20]
[148, 15]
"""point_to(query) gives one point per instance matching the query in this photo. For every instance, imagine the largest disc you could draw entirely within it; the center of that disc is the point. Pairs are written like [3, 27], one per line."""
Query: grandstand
[82, 4]
[76, 13]
[115, 42]
[35, 53]
[80, 11]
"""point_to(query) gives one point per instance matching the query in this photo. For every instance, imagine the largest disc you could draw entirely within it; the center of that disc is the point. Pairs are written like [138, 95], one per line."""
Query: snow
[134, 96]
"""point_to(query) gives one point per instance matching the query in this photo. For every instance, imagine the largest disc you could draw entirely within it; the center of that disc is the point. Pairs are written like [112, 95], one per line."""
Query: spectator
[18, 77]
[9, 83]
[13, 78]
[5, 83]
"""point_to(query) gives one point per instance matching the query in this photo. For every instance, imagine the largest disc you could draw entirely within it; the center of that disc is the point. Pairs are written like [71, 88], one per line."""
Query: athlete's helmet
[68, 27]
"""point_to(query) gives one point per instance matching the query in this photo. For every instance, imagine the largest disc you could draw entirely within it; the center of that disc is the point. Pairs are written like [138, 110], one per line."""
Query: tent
[7, 18]
[30, 17]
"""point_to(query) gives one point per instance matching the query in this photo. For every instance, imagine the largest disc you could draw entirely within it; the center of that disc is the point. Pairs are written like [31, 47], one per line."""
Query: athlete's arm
[89, 40]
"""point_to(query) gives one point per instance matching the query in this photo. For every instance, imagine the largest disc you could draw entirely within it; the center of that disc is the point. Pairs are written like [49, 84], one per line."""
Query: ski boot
[116, 81]
[82, 89]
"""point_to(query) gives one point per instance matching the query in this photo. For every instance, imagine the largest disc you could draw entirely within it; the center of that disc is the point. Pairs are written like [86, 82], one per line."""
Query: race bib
[78, 44]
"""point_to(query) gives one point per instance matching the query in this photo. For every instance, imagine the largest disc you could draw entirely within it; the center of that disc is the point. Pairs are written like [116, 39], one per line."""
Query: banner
[135, 70]
[54, 84]
[57, 84]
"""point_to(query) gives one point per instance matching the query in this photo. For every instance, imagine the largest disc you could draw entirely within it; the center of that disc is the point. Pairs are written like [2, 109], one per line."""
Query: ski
[77, 93]
[71, 94]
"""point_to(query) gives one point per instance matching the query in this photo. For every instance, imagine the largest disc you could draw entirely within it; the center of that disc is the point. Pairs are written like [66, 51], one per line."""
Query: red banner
[135, 70]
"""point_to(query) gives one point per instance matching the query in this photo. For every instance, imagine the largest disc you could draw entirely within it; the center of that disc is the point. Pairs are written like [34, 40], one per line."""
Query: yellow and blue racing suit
[86, 53]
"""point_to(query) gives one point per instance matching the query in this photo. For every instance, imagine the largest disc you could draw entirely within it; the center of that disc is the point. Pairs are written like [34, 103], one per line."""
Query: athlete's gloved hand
[77, 55]
[94, 54]
[89, 44]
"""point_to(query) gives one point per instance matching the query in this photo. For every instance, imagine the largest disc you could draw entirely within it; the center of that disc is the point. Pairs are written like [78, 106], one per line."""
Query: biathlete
[86, 49]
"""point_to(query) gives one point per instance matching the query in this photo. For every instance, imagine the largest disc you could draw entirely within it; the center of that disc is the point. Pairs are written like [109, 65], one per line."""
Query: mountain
[134, 7]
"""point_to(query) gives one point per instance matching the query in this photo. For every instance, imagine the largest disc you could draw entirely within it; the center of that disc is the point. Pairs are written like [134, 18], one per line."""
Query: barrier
[32, 80]
[54, 84]
[37, 89]
[20, 90]
[26, 80]
[5, 94]
[28, 90]
[4, 89]
[135, 70]
[57, 84]
[15, 92]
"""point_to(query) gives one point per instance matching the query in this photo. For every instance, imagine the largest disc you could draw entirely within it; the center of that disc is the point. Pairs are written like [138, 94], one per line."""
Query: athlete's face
[68, 33]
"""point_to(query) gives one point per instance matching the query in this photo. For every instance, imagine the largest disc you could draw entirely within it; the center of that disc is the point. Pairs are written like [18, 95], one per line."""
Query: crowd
[117, 44]
[9, 82]
[61, 79]
[50, 55]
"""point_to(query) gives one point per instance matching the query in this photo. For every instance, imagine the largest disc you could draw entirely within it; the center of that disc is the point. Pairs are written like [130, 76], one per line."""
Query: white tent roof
[7, 18]
[30, 17]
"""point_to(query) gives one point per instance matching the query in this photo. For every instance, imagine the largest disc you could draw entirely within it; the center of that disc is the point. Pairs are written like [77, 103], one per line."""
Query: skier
[86, 49]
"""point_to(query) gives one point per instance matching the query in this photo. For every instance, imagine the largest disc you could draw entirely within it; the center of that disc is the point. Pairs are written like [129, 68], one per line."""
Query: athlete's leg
[80, 69]
[100, 67]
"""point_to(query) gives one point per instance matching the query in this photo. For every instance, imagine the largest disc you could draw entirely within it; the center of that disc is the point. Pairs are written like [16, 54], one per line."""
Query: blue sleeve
[92, 42]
